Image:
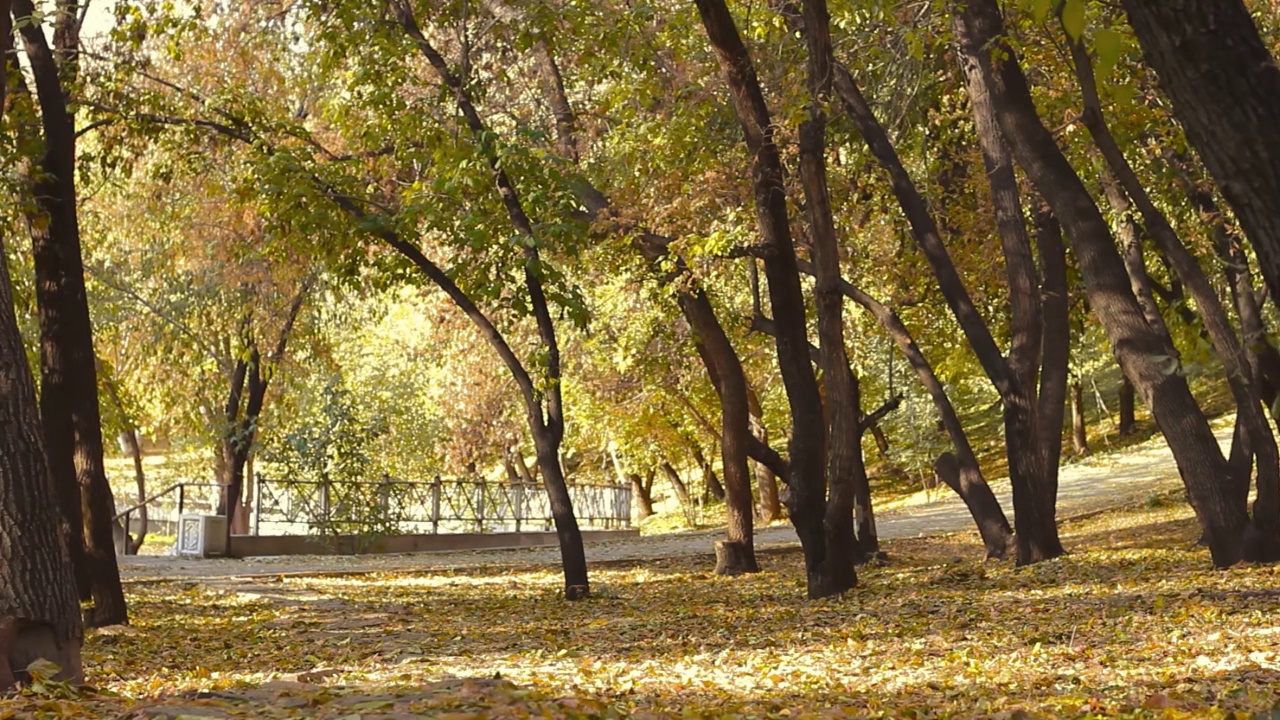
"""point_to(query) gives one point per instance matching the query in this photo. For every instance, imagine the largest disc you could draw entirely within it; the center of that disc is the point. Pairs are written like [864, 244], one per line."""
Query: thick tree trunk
[1265, 532]
[39, 613]
[1127, 403]
[1079, 435]
[67, 360]
[1148, 360]
[807, 486]
[1225, 88]
[1034, 483]
[844, 438]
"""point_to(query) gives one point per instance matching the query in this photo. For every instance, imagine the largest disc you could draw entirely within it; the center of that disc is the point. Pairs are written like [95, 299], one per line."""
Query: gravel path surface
[1093, 484]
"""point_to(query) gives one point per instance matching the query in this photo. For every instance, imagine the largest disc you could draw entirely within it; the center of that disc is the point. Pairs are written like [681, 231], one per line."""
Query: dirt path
[1094, 484]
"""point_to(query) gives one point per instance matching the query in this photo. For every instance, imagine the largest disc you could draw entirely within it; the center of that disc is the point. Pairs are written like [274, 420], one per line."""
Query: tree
[39, 615]
[68, 388]
[828, 547]
[1146, 357]
[1225, 88]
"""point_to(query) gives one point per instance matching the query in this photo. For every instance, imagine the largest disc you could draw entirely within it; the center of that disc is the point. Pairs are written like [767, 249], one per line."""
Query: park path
[1096, 483]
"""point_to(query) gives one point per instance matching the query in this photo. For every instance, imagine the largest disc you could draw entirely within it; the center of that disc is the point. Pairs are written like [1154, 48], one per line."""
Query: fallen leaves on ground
[1132, 622]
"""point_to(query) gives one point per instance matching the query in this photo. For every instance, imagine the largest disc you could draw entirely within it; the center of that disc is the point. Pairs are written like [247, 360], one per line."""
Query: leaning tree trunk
[67, 357]
[1035, 483]
[39, 612]
[960, 472]
[677, 484]
[1225, 88]
[545, 409]
[1013, 379]
[1147, 359]
[1264, 537]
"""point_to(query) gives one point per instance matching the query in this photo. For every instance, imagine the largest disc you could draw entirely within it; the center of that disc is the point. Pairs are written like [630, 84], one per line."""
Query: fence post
[435, 505]
[517, 503]
[257, 505]
[480, 488]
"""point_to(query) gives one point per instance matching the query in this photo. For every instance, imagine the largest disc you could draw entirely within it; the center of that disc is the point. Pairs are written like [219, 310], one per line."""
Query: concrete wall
[262, 545]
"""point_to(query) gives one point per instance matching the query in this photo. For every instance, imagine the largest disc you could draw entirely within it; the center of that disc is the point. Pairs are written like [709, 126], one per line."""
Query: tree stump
[732, 558]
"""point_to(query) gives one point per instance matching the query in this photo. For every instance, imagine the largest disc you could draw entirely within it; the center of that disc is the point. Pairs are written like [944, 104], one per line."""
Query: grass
[1133, 622]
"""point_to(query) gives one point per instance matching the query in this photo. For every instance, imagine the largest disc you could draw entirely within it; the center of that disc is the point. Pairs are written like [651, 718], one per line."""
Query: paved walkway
[1093, 484]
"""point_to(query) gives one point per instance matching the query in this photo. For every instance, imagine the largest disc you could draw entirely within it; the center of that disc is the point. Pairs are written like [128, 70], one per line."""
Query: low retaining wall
[263, 545]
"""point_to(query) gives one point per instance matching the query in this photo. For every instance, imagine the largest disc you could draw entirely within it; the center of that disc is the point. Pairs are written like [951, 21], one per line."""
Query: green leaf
[1107, 43]
[1040, 9]
[1073, 18]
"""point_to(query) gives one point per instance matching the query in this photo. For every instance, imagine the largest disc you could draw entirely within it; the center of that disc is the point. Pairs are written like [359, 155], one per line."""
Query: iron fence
[392, 506]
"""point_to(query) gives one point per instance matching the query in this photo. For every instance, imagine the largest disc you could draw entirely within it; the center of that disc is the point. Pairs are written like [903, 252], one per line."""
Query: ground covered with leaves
[1132, 622]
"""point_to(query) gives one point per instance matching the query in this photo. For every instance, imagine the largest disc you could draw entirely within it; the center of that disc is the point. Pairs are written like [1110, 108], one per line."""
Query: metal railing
[391, 506]
[165, 507]
[387, 507]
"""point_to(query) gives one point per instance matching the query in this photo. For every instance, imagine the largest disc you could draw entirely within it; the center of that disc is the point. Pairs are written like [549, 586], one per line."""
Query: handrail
[159, 495]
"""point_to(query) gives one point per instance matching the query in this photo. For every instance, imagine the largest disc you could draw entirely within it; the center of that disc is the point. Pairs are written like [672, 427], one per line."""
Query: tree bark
[39, 612]
[1225, 88]
[1148, 360]
[68, 374]
[807, 447]
[1257, 434]
[1128, 420]
[1079, 436]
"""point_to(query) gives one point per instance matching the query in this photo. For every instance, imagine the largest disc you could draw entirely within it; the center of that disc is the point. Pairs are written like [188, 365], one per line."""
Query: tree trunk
[135, 452]
[766, 481]
[1265, 531]
[545, 409]
[573, 555]
[1225, 88]
[67, 358]
[961, 472]
[807, 447]
[711, 487]
[39, 612]
[1079, 437]
[845, 545]
[1055, 346]
[1034, 483]
[1128, 421]
[1148, 360]
[1009, 378]
[641, 495]
[677, 484]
